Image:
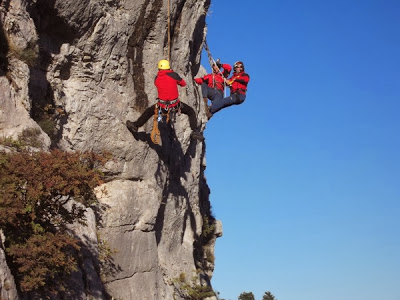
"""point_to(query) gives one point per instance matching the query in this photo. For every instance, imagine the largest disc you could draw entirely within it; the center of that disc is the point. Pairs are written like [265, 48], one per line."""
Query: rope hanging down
[155, 133]
[210, 58]
[167, 52]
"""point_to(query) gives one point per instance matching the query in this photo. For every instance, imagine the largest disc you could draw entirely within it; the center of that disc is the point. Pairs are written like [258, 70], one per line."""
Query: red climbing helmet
[238, 64]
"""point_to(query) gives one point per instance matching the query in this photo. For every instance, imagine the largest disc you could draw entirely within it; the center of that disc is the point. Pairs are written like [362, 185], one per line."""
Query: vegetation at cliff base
[246, 296]
[41, 194]
[250, 296]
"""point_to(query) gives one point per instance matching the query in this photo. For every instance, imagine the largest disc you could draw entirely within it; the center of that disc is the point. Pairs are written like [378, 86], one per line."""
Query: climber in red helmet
[238, 88]
[167, 82]
[213, 85]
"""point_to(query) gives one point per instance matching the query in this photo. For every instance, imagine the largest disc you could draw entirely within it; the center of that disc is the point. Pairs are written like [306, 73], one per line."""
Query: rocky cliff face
[96, 61]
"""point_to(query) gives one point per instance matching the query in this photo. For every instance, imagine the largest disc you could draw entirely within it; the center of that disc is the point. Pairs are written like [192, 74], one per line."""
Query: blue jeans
[233, 99]
[211, 93]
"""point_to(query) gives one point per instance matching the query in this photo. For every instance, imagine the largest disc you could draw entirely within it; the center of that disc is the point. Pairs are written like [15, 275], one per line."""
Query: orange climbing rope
[155, 133]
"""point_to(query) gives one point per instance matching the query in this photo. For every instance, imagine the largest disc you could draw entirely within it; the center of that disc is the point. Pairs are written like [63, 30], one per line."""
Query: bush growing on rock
[35, 188]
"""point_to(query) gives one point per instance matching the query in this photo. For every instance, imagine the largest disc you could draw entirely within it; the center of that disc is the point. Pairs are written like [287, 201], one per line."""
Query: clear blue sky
[305, 174]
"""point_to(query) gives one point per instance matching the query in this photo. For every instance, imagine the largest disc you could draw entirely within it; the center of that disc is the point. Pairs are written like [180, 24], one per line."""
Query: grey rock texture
[96, 60]
[7, 285]
[18, 30]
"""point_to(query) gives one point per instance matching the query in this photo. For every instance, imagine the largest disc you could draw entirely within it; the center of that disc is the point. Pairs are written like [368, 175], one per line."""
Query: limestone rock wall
[96, 61]
[7, 285]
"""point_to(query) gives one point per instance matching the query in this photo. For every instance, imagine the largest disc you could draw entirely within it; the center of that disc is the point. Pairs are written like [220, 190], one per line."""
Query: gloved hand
[229, 82]
[198, 80]
[218, 63]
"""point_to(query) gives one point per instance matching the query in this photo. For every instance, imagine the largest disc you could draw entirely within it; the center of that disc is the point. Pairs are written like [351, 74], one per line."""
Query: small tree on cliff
[34, 190]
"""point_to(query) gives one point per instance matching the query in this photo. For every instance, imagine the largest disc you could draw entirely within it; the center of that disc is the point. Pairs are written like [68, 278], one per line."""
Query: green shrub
[48, 125]
[192, 290]
[28, 137]
[208, 228]
[10, 142]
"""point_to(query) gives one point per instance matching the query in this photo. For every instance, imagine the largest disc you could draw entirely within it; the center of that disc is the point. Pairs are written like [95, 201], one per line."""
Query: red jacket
[239, 82]
[215, 80]
[167, 82]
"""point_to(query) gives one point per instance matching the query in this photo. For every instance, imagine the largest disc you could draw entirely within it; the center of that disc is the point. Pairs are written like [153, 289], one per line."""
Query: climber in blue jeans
[238, 87]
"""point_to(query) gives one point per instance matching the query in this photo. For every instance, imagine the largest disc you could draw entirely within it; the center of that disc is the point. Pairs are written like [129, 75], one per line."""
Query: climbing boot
[197, 135]
[131, 126]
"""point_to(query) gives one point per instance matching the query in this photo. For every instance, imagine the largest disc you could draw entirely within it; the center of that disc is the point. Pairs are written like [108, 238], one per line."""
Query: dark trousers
[211, 93]
[232, 99]
[186, 109]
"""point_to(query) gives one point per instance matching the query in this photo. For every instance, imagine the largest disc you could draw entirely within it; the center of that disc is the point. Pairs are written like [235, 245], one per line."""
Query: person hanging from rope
[213, 84]
[238, 88]
[167, 82]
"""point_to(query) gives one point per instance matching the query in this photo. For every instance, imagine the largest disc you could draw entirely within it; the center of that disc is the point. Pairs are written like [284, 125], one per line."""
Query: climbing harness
[168, 103]
[169, 112]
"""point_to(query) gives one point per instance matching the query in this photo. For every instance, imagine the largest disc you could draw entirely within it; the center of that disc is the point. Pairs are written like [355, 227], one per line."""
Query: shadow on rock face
[4, 47]
[178, 163]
